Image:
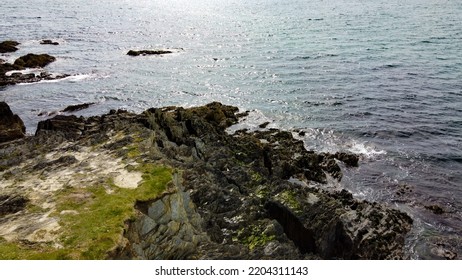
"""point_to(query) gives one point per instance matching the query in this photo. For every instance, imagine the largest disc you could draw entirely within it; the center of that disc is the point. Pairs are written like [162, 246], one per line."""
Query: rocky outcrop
[27, 61]
[34, 60]
[148, 52]
[11, 125]
[8, 46]
[247, 195]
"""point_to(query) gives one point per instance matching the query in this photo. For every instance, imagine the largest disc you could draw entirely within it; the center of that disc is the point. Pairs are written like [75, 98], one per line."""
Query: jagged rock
[48, 42]
[174, 220]
[70, 126]
[34, 60]
[8, 46]
[249, 195]
[11, 126]
[148, 52]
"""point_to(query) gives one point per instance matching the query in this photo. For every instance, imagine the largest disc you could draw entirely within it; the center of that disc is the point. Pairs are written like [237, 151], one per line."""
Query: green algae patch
[92, 219]
[289, 199]
[254, 236]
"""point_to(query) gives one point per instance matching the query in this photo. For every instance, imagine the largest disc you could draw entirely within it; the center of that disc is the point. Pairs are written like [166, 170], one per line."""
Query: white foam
[364, 149]
[35, 71]
[73, 79]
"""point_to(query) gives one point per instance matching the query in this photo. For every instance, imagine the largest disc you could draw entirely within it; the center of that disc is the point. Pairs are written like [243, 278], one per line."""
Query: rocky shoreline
[192, 190]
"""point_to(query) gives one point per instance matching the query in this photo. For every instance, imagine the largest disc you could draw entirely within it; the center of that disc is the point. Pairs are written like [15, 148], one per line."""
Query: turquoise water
[379, 78]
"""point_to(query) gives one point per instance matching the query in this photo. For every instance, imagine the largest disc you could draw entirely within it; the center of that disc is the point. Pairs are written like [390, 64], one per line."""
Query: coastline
[196, 192]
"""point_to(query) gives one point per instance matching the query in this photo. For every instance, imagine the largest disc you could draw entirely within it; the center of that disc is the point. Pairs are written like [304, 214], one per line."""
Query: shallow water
[379, 78]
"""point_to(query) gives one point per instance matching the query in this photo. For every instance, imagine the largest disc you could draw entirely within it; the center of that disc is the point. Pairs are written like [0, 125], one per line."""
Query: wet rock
[435, 209]
[34, 60]
[148, 52]
[11, 126]
[18, 78]
[264, 125]
[8, 46]
[348, 158]
[48, 42]
[78, 107]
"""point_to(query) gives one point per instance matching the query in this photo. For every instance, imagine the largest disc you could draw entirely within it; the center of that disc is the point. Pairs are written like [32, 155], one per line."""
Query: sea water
[381, 78]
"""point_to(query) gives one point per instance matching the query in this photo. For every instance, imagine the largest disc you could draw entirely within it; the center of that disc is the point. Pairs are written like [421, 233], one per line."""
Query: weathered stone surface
[147, 52]
[11, 204]
[70, 126]
[171, 228]
[8, 46]
[11, 125]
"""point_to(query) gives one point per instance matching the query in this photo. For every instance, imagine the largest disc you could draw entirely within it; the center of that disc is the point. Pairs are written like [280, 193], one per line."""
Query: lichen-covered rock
[11, 125]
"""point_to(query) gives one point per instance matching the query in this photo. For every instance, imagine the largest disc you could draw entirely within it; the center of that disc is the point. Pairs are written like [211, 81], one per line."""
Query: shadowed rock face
[11, 126]
[249, 195]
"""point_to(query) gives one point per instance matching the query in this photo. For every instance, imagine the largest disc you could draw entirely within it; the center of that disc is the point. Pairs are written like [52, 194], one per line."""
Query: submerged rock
[8, 46]
[11, 125]
[249, 195]
[148, 52]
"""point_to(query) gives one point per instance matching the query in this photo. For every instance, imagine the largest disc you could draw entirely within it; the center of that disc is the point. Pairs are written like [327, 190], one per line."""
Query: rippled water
[379, 78]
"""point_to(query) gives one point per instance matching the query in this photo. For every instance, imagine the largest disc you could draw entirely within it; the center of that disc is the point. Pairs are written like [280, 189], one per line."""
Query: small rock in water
[148, 52]
[48, 42]
[435, 209]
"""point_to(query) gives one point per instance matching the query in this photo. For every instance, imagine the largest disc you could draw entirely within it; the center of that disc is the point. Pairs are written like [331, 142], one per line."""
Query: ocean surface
[381, 78]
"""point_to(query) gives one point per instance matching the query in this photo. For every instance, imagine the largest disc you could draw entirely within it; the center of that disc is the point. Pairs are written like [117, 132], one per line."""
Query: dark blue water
[379, 78]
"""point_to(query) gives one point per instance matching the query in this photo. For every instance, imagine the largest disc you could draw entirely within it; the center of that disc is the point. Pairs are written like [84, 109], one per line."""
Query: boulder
[8, 46]
[11, 125]
[34, 60]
